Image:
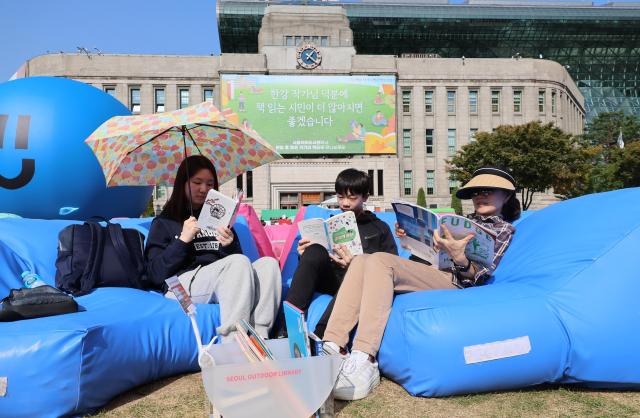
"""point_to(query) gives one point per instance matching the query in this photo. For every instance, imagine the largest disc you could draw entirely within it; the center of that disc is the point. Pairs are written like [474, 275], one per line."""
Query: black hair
[352, 181]
[511, 210]
[177, 207]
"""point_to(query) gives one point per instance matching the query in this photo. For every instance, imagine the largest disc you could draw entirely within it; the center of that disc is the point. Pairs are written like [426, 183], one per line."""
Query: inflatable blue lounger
[73, 364]
[562, 308]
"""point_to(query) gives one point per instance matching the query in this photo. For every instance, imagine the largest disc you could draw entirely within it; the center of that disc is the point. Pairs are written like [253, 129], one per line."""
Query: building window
[297, 40]
[239, 184]
[289, 41]
[451, 141]
[249, 190]
[207, 94]
[406, 101]
[183, 98]
[431, 182]
[428, 136]
[110, 90]
[159, 100]
[408, 183]
[289, 200]
[406, 142]
[473, 101]
[472, 134]
[453, 185]
[517, 101]
[495, 101]
[380, 183]
[134, 100]
[553, 102]
[428, 101]
[324, 41]
[541, 99]
[370, 175]
[451, 101]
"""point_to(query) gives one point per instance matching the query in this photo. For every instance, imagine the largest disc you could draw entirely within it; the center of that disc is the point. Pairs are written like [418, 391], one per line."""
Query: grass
[183, 396]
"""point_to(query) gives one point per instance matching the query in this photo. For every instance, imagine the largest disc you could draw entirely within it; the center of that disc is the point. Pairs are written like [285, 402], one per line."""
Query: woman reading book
[210, 266]
[366, 294]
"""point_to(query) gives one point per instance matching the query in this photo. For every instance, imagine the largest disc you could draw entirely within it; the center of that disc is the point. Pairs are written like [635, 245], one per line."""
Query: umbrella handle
[186, 163]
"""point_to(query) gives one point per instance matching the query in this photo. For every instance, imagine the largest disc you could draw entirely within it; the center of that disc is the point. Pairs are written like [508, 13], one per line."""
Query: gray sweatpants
[243, 290]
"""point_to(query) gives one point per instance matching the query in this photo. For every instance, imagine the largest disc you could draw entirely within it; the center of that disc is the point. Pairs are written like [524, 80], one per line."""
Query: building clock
[308, 57]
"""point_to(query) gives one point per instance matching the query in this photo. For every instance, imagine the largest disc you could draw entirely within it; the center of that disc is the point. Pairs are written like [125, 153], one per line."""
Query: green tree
[627, 169]
[599, 143]
[422, 198]
[605, 128]
[540, 156]
[456, 203]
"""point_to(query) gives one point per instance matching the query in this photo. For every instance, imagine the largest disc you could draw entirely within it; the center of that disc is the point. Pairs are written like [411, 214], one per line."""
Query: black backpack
[91, 255]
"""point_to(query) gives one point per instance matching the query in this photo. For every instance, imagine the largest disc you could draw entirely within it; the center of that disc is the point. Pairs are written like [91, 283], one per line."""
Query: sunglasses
[482, 192]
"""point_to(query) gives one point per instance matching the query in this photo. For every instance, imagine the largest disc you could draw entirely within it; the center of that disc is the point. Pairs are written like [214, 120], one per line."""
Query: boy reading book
[338, 230]
[322, 271]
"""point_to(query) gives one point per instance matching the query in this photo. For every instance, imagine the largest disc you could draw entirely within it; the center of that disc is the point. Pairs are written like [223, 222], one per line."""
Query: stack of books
[251, 343]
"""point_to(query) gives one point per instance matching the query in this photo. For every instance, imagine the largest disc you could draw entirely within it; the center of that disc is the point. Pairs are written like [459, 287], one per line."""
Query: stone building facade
[441, 102]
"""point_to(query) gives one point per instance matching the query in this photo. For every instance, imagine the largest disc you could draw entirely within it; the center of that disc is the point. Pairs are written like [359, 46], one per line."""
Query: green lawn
[183, 396]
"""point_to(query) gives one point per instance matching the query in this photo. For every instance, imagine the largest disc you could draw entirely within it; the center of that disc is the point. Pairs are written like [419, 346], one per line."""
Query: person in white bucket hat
[367, 291]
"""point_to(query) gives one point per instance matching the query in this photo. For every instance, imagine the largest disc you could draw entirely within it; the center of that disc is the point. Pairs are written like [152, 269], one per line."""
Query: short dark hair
[354, 181]
[177, 207]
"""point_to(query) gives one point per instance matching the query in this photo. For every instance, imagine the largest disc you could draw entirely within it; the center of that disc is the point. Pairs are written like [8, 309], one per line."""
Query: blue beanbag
[562, 308]
[73, 364]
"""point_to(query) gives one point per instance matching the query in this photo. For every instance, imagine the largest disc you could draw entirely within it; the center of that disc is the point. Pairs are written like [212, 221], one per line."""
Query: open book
[218, 210]
[340, 229]
[420, 225]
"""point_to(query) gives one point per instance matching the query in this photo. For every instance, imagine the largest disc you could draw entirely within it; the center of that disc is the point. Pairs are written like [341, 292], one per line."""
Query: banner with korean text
[315, 114]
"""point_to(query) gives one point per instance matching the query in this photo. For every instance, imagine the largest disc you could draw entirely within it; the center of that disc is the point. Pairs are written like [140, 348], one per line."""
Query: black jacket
[166, 255]
[376, 236]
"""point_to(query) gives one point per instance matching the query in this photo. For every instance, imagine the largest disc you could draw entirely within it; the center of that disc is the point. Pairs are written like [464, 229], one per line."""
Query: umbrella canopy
[147, 149]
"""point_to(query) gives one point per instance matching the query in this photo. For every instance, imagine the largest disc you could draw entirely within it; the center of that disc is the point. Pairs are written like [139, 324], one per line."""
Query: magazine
[296, 331]
[420, 225]
[340, 229]
[218, 210]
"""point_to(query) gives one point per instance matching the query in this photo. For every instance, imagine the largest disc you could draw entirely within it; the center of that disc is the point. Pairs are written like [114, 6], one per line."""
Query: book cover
[218, 210]
[420, 225]
[340, 229]
[296, 331]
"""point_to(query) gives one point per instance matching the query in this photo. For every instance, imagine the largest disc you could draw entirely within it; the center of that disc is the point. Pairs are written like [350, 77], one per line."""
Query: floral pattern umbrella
[147, 149]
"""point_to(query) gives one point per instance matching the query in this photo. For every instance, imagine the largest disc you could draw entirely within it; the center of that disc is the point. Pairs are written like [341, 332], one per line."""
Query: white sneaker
[358, 376]
[330, 348]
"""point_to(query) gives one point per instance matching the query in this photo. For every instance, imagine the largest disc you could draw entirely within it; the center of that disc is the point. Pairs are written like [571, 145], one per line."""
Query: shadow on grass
[138, 393]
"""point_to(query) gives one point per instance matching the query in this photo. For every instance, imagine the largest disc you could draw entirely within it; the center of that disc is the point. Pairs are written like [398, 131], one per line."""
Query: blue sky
[33, 27]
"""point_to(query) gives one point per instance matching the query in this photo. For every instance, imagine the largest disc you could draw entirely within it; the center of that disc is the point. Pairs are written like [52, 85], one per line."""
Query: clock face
[308, 56]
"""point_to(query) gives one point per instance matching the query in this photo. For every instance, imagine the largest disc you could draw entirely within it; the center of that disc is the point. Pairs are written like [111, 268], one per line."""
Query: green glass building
[598, 44]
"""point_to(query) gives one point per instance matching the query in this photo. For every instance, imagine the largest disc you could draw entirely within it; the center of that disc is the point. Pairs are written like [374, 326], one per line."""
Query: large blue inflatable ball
[46, 169]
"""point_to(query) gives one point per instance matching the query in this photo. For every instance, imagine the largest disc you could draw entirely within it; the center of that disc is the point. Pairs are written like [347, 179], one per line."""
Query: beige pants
[366, 295]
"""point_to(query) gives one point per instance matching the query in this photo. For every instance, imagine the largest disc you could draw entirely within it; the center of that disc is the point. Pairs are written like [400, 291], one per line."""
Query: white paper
[497, 350]
[315, 231]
